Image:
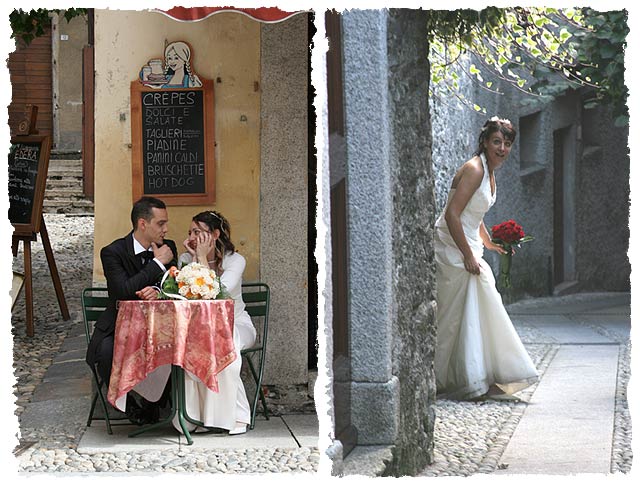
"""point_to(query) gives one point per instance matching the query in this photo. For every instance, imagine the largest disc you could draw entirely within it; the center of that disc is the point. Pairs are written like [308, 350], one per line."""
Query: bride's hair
[215, 221]
[494, 125]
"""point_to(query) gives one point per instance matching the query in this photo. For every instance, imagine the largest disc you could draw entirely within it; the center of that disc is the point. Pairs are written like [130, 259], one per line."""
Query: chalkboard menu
[172, 143]
[28, 166]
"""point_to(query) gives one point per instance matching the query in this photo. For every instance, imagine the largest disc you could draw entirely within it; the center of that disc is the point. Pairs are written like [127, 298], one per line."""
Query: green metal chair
[94, 302]
[256, 297]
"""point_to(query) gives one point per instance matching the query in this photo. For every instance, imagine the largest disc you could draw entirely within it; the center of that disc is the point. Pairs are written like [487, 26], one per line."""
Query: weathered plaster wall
[283, 195]
[68, 41]
[226, 47]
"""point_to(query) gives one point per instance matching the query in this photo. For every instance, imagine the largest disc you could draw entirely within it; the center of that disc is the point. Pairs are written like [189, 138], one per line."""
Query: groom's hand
[163, 253]
[147, 293]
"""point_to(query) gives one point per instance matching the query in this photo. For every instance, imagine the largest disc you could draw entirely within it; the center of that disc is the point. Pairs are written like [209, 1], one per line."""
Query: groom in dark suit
[132, 266]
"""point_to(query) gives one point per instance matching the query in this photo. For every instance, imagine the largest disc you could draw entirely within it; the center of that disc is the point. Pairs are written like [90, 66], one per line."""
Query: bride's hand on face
[205, 244]
[472, 266]
[189, 248]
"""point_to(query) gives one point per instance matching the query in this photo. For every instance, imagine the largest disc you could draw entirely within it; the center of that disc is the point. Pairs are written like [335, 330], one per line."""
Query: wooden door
[88, 119]
[344, 430]
[31, 82]
[564, 209]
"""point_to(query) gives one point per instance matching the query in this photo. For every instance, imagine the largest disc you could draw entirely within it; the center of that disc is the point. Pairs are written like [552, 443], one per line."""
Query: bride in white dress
[209, 243]
[478, 352]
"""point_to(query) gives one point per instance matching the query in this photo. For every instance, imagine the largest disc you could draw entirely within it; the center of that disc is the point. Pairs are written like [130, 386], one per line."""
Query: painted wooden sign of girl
[174, 72]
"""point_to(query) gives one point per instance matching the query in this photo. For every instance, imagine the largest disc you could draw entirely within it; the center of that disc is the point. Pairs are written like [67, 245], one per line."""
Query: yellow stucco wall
[224, 46]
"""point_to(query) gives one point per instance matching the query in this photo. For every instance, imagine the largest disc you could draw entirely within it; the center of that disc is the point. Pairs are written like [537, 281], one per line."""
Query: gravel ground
[53, 449]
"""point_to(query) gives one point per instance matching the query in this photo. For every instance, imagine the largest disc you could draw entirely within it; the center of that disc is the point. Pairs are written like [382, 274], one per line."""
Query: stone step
[64, 192]
[65, 162]
[66, 182]
[69, 211]
[61, 203]
[66, 154]
[75, 207]
[73, 171]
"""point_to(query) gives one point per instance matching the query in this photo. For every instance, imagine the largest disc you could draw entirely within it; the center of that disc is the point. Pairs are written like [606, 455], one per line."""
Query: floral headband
[497, 119]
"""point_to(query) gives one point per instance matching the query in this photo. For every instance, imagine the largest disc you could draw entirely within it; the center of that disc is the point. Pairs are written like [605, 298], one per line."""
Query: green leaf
[541, 21]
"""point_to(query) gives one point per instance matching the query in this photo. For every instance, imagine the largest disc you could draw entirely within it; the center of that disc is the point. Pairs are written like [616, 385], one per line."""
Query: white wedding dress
[477, 345]
[228, 408]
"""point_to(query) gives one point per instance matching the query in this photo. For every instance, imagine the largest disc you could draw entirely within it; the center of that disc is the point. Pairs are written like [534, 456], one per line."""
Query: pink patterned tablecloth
[196, 335]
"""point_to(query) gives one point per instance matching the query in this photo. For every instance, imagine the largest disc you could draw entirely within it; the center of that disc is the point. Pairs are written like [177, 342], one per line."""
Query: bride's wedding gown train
[477, 345]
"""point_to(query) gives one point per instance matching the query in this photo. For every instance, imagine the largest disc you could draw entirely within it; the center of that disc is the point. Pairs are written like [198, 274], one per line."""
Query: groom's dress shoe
[133, 411]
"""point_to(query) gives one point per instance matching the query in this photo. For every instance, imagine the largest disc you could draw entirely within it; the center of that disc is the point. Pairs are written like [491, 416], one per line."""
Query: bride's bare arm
[468, 181]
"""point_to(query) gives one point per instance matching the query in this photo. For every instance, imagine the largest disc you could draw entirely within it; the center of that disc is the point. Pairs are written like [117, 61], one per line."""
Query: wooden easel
[28, 281]
[30, 192]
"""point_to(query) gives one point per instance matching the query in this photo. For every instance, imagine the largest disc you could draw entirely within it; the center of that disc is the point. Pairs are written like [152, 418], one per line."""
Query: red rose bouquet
[508, 235]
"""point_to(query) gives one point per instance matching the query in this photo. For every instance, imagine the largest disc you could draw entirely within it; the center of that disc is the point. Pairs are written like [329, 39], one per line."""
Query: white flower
[497, 119]
[200, 281]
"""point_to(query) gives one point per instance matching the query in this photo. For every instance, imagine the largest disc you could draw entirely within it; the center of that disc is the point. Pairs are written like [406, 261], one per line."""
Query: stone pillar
[283, 196]
[412, 238]
[375, 389]
[390, 222]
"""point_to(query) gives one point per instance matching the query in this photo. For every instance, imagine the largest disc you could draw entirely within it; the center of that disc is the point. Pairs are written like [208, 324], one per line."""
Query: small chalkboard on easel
[28, 165]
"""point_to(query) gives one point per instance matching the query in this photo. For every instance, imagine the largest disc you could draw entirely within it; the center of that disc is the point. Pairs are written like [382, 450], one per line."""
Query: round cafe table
[160, 339]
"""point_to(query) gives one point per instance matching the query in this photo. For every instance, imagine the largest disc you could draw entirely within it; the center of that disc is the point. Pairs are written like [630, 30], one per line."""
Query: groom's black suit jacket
[125, 275]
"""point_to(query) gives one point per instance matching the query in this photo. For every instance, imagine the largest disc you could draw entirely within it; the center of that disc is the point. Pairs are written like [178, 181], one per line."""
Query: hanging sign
[172, 131]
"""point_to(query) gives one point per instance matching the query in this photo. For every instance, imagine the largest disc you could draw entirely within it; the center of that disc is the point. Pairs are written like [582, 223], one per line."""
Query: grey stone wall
[454, 133]
[391, 206]
[603, 191]
[414, 334]
[283, 196]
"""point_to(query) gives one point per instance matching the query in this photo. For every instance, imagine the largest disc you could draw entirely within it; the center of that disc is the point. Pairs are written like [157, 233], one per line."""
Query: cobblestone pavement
[52, 448]
[470, 437]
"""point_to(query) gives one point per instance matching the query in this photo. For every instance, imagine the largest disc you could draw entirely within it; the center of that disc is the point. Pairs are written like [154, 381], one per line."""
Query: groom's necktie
[146, 256]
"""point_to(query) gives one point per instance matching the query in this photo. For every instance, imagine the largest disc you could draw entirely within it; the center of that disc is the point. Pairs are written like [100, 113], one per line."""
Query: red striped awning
[262, 14]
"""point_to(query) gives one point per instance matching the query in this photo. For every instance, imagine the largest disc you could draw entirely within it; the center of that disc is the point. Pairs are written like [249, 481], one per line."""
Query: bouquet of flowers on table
[509, 235]
[193, 282]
